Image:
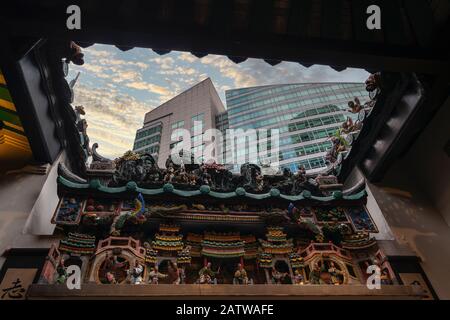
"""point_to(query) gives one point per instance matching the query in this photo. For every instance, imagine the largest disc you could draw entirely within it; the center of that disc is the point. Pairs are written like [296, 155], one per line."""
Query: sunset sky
[117, 88]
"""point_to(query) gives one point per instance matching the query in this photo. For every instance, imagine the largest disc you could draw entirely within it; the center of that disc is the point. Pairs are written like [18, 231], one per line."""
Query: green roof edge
[168, 188]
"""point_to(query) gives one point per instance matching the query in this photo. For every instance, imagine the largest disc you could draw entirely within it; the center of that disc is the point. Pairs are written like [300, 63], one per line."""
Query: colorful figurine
[62, 272]
[136, 273]
[174, 273]
[298, 277]
[110, 278]
[207, 275]
[155, 275]
[277, 276]
[314, 275]
[240, 276]
[335, 274]
[354, 106]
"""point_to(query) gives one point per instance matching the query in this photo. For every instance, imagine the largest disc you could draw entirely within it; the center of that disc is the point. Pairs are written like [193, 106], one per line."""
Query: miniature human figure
[205, 279]
[300, 175]
[301, 170]
[277, 276]
[204, 175]
[354, 106]
[207, 275]
[240, 276]
[259, 182]
[192, 180]
[155, 275]
[287, 173]
[340, 147]
[135, 273]
[110, 278]
[182, 275]
[170, 162]
[62, 272]
[76, 55]
[169, 174]
[298, 179]
[109, 262]
[298, 277]
[314, 275]
[348, 126]
[206, 178]
[182, 175]
[332, 153]
[372, 83]
[174, 273]
[292, 212]
[335, 273]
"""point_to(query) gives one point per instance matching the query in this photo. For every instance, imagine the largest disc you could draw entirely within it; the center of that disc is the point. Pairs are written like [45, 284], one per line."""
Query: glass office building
[148, 139]
[306, 115]
[195, 109]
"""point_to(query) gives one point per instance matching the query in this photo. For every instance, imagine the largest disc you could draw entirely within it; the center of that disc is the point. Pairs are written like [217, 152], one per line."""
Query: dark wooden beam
[394, 27]
[314, 19]
[298, 19]
[263, 46]
[393, 88]
[161, 26]
[421, 21]
[332, 14]
[31, 102]
[261, 10]
[165, 28]
[222, 17]
[413, 112]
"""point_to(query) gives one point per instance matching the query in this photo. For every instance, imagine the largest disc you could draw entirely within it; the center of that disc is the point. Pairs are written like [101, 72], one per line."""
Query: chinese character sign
[15, 283]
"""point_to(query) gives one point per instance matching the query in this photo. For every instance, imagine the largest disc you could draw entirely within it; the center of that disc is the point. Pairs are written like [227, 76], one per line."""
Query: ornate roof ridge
[203, 190]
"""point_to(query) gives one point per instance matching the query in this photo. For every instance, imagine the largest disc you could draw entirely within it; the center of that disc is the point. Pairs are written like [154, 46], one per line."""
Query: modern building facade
[306, 115]
[194, 109]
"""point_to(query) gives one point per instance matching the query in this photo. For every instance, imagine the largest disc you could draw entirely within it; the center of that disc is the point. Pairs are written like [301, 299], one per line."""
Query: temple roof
[132, 189]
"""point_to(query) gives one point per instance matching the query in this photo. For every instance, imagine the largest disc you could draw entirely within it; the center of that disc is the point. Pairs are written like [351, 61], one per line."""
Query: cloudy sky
[117, 88]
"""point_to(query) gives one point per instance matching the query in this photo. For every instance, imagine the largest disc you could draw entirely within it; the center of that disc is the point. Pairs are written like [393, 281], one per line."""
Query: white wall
[27, 203]
[431, 165]
[414, 197]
